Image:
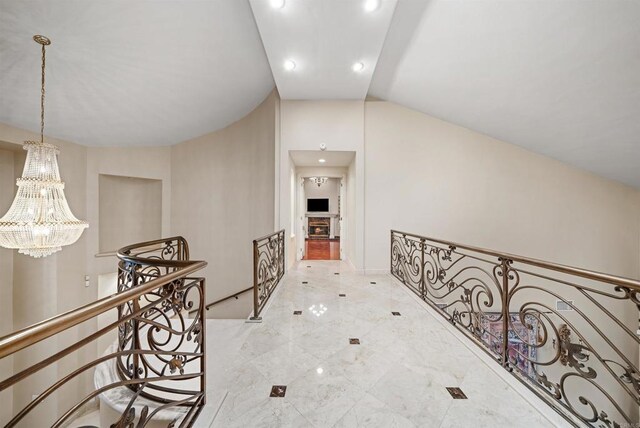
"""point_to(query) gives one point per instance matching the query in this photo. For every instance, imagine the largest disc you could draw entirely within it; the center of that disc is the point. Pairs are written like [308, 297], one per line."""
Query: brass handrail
[584, 273]
[155, 280]
[35, 333]
[268, 268]
[181, 252]
[228, 297]
[571, 342]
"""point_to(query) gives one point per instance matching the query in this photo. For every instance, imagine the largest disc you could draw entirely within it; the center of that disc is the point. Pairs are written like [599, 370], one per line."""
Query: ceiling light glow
[289, 65]
[322, 160]
[371, 5]
[277, 4]
[357, 67]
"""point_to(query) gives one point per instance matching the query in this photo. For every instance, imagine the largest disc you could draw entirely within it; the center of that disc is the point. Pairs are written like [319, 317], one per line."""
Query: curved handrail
[182, 252]
[160, 273]
[583, 273]
[35, 333]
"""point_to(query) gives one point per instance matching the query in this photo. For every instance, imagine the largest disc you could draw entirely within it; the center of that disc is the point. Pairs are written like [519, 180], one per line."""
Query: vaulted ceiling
[122, 73]
[561, 78]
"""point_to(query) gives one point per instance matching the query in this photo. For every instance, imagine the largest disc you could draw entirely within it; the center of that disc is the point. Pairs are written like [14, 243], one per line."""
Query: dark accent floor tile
[297, 312]
[305, 282]
[308, 266]
[278, 390]
[354, 341]
[342, 295]
[395, 314]
[336, 273]
[373, 282]
[456, 393]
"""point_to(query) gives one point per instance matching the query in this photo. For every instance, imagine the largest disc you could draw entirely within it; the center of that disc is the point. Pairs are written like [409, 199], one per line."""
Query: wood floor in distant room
[322, 249]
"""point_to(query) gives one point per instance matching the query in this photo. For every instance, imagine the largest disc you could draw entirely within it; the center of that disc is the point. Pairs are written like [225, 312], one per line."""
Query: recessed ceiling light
[357, 67]
[371, 5]
[289, 65]
[321, 160]
[277, 4]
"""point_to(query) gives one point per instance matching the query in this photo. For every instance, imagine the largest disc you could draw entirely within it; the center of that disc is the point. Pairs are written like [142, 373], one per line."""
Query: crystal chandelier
[40, 221]
[318, 180]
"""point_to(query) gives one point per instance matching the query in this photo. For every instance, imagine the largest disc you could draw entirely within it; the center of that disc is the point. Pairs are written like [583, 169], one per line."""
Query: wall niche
[130, 211]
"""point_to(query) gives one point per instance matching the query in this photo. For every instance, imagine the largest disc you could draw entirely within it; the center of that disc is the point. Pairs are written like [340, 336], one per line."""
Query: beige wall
[430, 177]
[7, 191]
[130, 211]
[223, 197]
[152, 163]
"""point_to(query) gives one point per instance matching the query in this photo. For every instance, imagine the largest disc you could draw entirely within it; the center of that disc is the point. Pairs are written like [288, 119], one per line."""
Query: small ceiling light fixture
[322, 160]
[277, 4]
[40, 222]
[357, 67]
[289, 65]
[371, 5]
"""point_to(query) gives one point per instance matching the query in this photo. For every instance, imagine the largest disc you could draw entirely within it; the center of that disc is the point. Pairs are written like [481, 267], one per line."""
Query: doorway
[322, 217]
[320, 204]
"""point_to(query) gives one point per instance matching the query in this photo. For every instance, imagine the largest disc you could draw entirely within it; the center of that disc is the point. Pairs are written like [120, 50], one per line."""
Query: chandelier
[318, 180]
[40, 221]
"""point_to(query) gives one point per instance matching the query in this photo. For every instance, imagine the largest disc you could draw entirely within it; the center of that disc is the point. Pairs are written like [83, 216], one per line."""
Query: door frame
[300, 208]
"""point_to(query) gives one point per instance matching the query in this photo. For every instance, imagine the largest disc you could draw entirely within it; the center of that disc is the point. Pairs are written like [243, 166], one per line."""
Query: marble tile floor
[395, 377]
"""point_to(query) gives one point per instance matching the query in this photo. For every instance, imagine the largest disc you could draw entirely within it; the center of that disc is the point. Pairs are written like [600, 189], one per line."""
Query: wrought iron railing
[570, 333]
[268, 269]
[160, 354]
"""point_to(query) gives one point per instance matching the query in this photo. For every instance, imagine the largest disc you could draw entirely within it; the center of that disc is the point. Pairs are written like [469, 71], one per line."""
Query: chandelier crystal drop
[40, 222]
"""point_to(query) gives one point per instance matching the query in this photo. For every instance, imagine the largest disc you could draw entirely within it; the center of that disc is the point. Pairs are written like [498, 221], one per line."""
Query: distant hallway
[322, 249]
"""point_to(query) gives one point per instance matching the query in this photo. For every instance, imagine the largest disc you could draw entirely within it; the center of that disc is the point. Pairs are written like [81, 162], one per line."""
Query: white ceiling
[561, 78]
[312, 157]
[324, 38]
[122, 73]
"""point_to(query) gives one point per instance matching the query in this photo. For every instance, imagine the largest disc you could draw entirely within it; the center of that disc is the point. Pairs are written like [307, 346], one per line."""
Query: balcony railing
[159, 355]
[567, 333]
[268, 268]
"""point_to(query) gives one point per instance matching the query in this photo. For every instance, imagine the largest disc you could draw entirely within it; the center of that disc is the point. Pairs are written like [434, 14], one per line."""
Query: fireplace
[319, 227]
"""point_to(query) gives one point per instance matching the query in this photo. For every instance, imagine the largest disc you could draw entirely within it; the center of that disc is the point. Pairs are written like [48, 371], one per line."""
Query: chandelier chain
[42, 98]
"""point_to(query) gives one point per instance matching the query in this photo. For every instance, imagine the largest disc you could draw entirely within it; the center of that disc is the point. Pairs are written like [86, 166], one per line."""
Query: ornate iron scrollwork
[159, 339]
[268, 268]
[507, 305]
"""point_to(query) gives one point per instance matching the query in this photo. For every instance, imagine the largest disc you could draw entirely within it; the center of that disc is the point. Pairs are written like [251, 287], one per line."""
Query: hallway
[395, 377]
